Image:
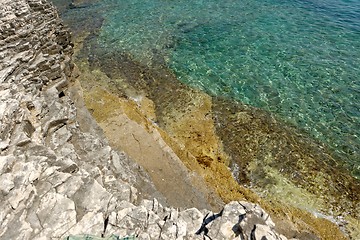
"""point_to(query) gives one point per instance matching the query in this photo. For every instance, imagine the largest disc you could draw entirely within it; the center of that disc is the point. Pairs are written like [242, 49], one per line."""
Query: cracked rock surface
[58, 175]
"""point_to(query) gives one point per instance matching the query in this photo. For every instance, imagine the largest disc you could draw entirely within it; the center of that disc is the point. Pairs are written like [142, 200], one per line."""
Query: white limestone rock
[56, 214]
[6, 183]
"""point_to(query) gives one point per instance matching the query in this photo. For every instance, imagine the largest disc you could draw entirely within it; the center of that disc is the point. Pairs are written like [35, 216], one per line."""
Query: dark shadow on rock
[237, 229]
[206, 221]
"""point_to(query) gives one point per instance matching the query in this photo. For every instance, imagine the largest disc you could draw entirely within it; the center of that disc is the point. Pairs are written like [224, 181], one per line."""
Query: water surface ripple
[299, 59]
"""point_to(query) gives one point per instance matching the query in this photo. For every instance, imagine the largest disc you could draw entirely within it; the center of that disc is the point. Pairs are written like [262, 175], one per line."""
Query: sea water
[299, 59]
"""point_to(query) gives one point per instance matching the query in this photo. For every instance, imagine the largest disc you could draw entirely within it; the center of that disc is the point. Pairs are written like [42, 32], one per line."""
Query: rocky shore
[58, 174]
[110, 159]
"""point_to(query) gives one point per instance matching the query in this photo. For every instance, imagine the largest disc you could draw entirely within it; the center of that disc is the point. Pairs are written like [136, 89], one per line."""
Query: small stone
[6, 183]
[4, 145]
[6, 162]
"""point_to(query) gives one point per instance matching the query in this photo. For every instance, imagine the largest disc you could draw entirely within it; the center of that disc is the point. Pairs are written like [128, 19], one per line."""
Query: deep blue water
[299, 59]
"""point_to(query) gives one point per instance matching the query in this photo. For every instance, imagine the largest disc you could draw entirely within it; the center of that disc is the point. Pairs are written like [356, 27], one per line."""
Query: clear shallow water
[299, 59]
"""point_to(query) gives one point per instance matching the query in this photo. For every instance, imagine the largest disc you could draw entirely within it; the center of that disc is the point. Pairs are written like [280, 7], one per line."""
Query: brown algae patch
[104, 106]
[129, 130]
[268, 153]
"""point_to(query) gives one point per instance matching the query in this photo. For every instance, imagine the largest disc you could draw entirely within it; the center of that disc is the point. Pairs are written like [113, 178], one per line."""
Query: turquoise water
[299, 59]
